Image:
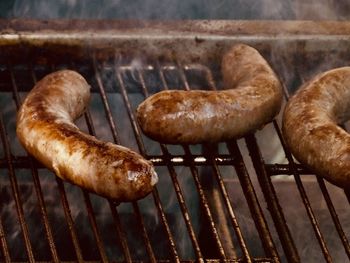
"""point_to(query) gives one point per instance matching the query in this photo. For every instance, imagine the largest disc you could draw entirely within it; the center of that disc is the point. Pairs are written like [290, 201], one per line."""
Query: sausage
[251, 97]
[46, 130]
[310, 127]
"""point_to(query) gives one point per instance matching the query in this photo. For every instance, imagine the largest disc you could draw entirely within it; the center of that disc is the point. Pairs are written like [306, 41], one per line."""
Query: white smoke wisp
[193, 9]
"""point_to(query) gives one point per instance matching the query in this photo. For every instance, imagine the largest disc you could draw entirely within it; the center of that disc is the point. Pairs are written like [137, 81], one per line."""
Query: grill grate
[192, 215]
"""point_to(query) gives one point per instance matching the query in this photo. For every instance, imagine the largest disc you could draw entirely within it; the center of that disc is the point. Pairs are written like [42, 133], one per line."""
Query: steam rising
[170, 9]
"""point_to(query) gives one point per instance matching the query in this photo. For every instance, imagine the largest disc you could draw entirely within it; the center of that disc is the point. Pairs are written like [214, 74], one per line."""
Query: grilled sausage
[46, 130]
[310, 125]
[251, 98]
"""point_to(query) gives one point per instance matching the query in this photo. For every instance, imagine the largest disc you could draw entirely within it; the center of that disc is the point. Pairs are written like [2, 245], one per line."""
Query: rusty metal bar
[3, 243]
[205, 207]
[271, 200]
[36, 180]
[120, 232]
[69, 219]
[147, 242]
[194, 171]
[34, 172]
[116, 140]
[67, 213]
[170, 168]
[159, 160]
[252, 200]
[304, 197]
[334, 216]
[278, 169]
[112, 206]
[155, 194]
[246, 255]
[15, 191]
[183, 207]
[229, 208]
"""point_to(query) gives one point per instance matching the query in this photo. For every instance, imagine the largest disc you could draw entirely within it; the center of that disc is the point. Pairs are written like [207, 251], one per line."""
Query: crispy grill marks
[46, 130]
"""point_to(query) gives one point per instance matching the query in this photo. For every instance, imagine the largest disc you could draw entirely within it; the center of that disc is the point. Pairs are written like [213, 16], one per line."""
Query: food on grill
[46, 130]
[252, 96]
[310, 125]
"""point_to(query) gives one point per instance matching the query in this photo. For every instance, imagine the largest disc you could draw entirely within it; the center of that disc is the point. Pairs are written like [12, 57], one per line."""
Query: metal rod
[304, 197]
[147, 241]
[159, 160]
[112, 206]
[69, 219]
[205, 207]
[155, 194]
[15, 192]
[194, 171]
[161, 214]
[116, 140]
[95, 229]
[334, 216]
[252, 200]
[183, 207]
[3, 243]
[38, 190]
[13, 179]
[120, 232]
[234, 222]
[103, 95]
[271, 200]
[170, 168]
[37, 185]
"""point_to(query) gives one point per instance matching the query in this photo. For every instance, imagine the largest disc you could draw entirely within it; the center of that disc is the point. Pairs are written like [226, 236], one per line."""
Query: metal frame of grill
[183, 47]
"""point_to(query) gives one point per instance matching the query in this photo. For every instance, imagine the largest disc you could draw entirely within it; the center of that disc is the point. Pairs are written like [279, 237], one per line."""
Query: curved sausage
[46, 130]
[310, 125]
[251, 98]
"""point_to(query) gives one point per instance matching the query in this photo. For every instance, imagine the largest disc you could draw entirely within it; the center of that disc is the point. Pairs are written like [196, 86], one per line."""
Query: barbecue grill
[237, 201]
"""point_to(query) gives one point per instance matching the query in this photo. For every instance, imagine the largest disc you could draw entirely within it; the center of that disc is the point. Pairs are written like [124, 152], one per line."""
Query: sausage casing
[310, 125]
[46, 130]
[251, 98]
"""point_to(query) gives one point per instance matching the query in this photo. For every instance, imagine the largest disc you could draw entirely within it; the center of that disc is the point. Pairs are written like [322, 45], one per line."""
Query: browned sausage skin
[46, 130]
[310, 125]
[251, 98]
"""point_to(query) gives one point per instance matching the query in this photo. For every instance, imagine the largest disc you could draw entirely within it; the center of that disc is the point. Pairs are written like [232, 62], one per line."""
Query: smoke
[169, 9]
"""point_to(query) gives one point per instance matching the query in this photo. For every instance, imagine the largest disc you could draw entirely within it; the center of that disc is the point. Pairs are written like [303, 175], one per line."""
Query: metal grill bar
[141, 147]
[305, 199]
[69, 219]
[170, 161]
[3, 243]
[194, 171]
[303, 194]
[170, 168]
[251, 197]
[112, 205]
[116, 140]
[272, 201]
[334, 215]
[253, 202]
[34, 172]
[231, 213]
[155, 195]
[16, 194]
[36, 180]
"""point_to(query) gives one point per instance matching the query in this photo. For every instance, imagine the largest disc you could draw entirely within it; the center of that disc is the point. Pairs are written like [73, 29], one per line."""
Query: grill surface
[241, 201]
